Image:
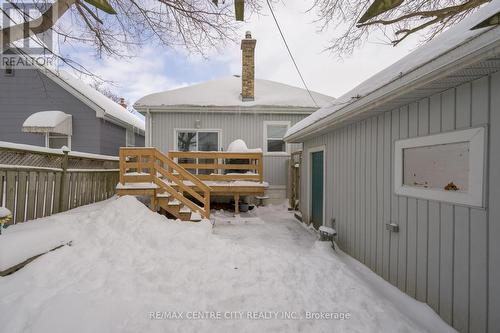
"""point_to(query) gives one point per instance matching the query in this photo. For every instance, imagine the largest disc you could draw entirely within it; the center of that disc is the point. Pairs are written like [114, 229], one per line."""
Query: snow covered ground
[131, 270]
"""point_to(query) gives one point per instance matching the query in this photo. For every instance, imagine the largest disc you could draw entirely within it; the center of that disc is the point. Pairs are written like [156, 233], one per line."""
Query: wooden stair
[176, 208]
[150, 166]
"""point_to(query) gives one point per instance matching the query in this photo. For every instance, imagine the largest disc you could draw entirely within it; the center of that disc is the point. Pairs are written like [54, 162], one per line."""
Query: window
[198, 140]
[274, 131]
[54, 140]
[445, 167]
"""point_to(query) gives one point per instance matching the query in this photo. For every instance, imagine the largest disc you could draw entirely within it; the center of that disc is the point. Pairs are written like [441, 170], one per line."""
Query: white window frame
[265, 138]
[50, 135]
[477, 146]
[177, 130]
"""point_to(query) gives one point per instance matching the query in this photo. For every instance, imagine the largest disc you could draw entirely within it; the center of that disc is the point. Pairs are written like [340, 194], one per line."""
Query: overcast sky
[155, 70]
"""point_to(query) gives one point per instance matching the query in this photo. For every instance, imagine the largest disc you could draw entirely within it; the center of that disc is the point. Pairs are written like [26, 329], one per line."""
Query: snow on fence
[37, 182]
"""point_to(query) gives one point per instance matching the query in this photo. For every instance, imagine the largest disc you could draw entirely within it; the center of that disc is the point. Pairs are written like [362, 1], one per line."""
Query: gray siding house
[98, 125]
[406, 169]
[215, 113]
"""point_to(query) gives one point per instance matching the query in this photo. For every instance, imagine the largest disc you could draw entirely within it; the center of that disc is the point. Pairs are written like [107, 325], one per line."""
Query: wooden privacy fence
[37, 182]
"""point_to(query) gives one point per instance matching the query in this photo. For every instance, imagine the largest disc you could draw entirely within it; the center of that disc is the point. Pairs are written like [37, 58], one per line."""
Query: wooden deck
[182, 183]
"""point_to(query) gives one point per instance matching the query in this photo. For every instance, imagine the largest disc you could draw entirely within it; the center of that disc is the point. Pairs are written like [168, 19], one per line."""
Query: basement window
[444, 167]
[274, 132]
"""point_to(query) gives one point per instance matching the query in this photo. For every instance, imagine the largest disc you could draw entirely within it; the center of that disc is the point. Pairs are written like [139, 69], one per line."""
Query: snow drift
[127, 262]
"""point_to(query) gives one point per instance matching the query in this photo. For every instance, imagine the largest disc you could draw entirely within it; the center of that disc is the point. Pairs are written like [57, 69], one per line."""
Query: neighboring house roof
[225, 92]
[104, 107]
[425, 71]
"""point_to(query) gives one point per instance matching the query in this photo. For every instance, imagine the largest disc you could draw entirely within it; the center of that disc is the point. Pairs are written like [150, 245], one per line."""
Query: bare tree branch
[423, 17]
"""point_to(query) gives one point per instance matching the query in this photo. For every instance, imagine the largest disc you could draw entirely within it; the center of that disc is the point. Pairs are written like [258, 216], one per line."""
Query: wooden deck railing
[221, 166]
[138, 165]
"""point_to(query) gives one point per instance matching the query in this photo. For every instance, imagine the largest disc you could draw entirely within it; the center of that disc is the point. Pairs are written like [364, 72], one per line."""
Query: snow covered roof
[96, 98]
[226, 92]
[407, 72]
[48, 121]
[104, 107]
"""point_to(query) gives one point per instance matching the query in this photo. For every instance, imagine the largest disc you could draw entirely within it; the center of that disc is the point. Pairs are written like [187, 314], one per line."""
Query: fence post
[64, 187]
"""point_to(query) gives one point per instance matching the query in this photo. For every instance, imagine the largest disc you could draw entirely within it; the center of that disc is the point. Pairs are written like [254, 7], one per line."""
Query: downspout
[149, 135]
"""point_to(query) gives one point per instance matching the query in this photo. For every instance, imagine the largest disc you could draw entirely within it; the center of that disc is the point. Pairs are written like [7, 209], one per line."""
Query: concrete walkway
[265, 227]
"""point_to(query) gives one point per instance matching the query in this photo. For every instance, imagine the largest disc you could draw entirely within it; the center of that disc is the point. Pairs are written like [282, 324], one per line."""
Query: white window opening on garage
[445, 167]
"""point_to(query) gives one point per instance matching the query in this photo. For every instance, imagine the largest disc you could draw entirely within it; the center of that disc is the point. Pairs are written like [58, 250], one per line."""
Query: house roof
[104, 107]
[429, 69]
[225, 92]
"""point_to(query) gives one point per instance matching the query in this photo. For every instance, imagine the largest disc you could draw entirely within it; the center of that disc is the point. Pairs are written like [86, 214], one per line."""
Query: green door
[317, 189]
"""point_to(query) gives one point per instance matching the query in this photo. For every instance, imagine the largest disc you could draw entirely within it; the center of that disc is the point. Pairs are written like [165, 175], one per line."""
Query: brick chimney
[248, 67]
[122, 102]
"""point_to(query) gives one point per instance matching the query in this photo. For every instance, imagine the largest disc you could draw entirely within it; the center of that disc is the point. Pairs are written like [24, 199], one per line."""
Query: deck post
[122, 166]
[152, 203]
[236, 203]
[260, 169]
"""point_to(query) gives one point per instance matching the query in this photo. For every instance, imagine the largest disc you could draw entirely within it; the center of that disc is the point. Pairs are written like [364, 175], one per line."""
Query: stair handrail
[205, 199]
[155, 168]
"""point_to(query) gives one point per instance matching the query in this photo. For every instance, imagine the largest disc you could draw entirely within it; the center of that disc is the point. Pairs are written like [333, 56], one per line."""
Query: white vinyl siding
[442, 254]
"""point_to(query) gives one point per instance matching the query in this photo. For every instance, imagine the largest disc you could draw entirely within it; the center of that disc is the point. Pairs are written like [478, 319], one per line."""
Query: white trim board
[474, 196]
[309, 182]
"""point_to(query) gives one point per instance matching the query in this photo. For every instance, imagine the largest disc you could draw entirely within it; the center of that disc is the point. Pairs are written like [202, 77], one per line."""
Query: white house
[210, 115]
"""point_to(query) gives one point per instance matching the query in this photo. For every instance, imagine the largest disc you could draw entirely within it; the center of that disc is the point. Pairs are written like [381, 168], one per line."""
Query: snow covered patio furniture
[186, 194]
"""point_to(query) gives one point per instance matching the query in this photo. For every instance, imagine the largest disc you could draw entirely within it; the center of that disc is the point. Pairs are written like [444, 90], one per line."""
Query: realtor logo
[22, 46]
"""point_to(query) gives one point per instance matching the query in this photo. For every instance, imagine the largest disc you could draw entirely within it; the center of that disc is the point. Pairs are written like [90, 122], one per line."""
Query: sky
[153, 70]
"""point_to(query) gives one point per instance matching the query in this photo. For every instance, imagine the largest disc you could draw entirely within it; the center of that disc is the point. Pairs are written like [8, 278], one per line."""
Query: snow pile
[239, 146]
[127, 262]
[443, 43]
[4, 212]
[25, 240]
